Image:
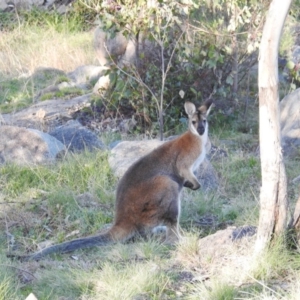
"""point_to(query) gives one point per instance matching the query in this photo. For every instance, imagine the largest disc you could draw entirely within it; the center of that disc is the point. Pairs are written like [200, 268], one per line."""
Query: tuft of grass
[130, 281]
[67, 93]
[64, 94]
[276, 262]
[57, 282]
[213, 291]
[15, 94]
[62, 78]
[9, 285]
[7, 290]
[187, 251]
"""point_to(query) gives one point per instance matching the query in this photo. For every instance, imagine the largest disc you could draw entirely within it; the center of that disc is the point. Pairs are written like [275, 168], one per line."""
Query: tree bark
[273, 194]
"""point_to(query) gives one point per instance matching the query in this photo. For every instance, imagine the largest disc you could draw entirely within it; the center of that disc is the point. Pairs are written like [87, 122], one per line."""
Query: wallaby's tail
[113, 235]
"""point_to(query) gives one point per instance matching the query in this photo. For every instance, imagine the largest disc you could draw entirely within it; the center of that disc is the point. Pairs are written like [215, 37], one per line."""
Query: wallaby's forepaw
[190, 185]
[196, 187]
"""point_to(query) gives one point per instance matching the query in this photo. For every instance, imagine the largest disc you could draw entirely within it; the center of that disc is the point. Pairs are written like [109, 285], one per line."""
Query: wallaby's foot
[159, 230]
[172, 236]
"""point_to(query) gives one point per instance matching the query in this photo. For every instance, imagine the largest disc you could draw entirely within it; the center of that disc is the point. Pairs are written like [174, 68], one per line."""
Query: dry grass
[25, 49]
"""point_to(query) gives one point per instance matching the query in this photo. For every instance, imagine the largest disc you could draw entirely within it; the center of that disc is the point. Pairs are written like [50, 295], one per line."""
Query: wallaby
[148, 195]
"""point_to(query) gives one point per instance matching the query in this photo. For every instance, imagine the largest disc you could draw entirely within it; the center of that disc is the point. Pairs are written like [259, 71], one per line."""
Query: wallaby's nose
[201, 129]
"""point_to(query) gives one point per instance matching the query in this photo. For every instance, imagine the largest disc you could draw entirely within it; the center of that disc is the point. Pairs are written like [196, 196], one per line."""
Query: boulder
[46, 114]
[125, 153]
[216, 244]
[62, 6]
[86, 74]
[76, 137]
[107, 48]
[289, 123]
[28, 146]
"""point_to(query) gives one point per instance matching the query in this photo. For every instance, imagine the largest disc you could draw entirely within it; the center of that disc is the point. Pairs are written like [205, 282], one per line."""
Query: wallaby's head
[197, 117]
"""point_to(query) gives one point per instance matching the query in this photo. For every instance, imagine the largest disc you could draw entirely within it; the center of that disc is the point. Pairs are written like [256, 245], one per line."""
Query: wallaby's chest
[199, 159]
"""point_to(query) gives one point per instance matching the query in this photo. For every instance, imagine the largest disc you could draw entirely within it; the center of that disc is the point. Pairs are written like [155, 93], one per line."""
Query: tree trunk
[273, 194]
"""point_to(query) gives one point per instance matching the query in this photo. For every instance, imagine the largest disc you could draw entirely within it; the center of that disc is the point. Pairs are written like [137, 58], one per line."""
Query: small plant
[67, 93]
[61, 79]
[187, 253]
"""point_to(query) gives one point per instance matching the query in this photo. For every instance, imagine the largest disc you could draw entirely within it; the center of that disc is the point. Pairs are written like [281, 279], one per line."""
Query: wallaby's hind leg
[171, 216]
[172, 234]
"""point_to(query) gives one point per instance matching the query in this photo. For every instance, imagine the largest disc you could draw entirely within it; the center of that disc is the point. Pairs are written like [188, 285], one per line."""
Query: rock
[207, 176]
[76, 137]
[42, 74]
[26, 146]
[215, 245]
[85, 74]
[109, 47]
[123, 49]
[289, 123]
[102, 84]
[47, 114]
[62, 6]
[114, 144]
[124, 154]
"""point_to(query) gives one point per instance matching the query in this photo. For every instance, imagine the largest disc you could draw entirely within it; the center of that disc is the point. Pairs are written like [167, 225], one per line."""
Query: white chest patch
[199, 160]
[202, 155]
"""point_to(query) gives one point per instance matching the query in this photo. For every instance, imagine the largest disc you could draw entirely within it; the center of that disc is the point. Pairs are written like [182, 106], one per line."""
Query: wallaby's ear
[190, 108]
[206, 107]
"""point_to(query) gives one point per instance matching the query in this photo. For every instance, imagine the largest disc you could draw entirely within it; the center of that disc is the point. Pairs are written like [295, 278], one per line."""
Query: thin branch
[140, 81]
[19, 269]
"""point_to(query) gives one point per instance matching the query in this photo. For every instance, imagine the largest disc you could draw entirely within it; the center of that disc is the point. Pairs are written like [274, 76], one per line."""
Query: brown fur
[148, 195]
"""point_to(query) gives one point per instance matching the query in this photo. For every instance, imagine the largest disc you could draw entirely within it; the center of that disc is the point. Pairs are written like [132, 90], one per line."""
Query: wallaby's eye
[194, 122]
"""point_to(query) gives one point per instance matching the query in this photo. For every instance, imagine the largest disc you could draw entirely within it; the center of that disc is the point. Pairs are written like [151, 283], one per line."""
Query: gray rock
[27, 146]
[86, 74]
[217, 244]
[207, 176]
[76, 137]
[124, 154]
[114, 144]
[290, 124]
[46, 114]
[109, 47]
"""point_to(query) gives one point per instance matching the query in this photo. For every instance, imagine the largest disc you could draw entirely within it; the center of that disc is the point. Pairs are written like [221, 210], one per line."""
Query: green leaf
[290, 65]
[229, 80]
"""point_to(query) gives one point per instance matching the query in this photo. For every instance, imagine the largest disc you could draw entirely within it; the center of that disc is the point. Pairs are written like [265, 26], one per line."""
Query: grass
[75, 197]
[28, 47]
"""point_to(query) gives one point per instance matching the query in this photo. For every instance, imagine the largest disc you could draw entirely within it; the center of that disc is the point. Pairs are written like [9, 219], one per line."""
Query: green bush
[196, 47]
